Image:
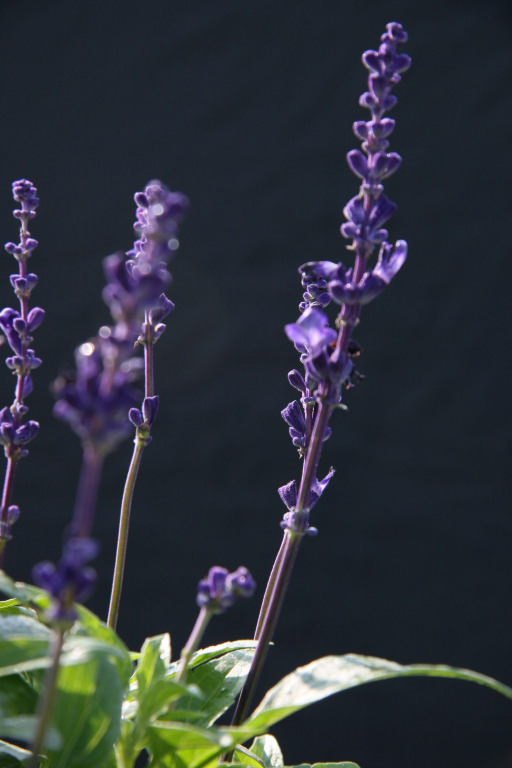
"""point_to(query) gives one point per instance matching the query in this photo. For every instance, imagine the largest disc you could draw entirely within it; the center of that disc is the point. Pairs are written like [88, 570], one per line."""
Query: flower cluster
[17, 326]
[221, 589]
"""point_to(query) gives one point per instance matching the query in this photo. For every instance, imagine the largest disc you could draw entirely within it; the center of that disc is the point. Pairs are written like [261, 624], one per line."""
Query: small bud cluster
[221, 589]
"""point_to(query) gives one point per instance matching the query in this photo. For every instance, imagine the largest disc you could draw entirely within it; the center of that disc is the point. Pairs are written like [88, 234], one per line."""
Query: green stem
[140, 442]
[193, 641]
[48, 698]
[142, 438]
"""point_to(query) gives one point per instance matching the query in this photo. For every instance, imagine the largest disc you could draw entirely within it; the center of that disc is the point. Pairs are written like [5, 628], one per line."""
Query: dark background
[246, 106]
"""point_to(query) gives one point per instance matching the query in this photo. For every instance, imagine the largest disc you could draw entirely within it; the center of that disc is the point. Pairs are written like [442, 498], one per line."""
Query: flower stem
[46, 702]
[283, 566]
[87, 492]
[193, 641]
[142, 438]
[140, 442]
[6, 500]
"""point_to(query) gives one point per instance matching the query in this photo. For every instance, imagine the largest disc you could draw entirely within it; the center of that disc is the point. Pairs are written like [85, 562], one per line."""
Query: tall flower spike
[327, 353]
[17, 326]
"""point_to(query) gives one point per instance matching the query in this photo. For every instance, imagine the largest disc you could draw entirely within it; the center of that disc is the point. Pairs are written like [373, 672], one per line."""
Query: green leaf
[220, 680]
[91, 626]
[17, 697]
[155, 657]
[332, 674]
[325, 765]
[215, 651]
[11, 756]
[23, 727]
[150, 695]
[264, 752]
[173, 743]
[23, 643]
[87, 713]
[26, 594]
[267, 748]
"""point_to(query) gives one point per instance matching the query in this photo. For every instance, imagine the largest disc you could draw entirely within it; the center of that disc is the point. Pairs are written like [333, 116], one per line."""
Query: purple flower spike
[221, 589]
[17, 325]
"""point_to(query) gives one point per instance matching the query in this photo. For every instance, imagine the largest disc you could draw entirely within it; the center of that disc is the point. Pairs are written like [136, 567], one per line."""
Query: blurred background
[246, 106]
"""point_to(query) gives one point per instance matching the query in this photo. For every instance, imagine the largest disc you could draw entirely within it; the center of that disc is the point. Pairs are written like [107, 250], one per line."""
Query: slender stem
[142, 438]
[285, 560]
[6, 500]
[269, 588]
[148, 358]
[291, 543]
[48, 698]
[193, 641]
[140, 443]
[87, 492]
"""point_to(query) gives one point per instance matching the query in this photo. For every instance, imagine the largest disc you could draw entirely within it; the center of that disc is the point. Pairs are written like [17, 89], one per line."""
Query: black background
[246, 106]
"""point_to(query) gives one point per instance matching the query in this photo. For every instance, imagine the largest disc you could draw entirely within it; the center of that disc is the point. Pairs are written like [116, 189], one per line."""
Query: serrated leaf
[332, 674]
[220, 680]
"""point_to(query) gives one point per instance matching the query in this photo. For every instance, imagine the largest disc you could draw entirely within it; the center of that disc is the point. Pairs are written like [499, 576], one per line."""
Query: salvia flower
[327, 352]
[221, 589]
[72, 580]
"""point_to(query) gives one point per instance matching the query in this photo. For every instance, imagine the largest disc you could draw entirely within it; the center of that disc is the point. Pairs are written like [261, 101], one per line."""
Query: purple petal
[311, 332]
[390, 261]
[288, 494]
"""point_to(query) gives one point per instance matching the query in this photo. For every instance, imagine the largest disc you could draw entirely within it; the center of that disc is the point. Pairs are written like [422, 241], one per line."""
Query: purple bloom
[344, 291]
[70, 581]
[294, 417]
[288, 492]
[311, 334]
[221, 589]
